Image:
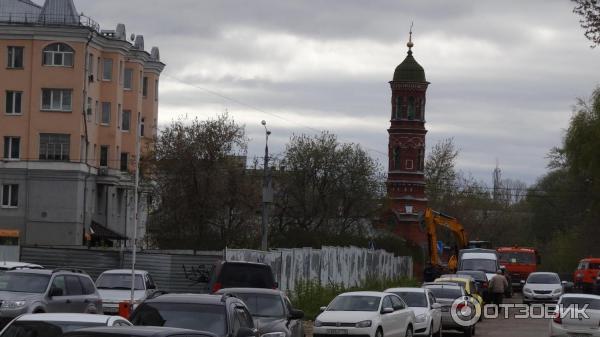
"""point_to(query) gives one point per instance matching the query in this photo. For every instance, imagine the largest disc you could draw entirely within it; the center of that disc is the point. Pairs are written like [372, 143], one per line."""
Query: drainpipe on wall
[87, 139]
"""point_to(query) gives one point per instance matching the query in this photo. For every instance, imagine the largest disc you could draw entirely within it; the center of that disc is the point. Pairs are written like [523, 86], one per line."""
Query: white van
[479, 259]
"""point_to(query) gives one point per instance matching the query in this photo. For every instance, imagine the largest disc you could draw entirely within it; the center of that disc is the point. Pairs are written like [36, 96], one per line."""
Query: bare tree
[589, 10]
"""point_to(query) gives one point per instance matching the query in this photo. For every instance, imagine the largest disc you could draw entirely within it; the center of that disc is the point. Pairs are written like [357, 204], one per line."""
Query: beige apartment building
[72, 98]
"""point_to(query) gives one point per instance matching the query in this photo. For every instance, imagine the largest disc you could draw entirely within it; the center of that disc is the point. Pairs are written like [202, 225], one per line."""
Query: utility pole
[138, 141]
[267, 192]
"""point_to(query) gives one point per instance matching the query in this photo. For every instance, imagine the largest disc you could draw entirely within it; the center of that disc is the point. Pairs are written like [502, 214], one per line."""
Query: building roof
[409, 70]
[59, 12]
[19, 11]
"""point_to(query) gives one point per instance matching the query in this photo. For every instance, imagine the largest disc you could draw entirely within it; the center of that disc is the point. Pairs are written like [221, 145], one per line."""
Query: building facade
[73, 99]
[406, 150]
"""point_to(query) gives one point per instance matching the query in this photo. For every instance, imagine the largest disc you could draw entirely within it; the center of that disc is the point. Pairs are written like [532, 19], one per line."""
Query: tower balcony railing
[32, 19]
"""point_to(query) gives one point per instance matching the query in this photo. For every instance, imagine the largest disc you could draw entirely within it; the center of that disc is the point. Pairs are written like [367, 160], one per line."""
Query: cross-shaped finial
[410, 44]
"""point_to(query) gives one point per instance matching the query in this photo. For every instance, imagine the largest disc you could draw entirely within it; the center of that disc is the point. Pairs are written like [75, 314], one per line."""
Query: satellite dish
[132, 37]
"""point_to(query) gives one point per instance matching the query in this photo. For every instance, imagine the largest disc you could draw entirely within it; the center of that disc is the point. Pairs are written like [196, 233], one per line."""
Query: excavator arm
[435, 219]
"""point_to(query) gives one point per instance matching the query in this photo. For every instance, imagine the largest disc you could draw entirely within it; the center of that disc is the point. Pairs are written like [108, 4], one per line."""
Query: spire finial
[410, 44]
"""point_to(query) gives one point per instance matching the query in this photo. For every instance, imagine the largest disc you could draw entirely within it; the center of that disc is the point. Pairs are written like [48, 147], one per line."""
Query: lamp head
[263, 122]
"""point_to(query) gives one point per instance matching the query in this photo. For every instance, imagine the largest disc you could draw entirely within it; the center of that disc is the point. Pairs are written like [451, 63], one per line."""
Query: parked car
[227, 274]
[565, 323]
[374, 314]
[542, 287]
[273, 313]
[45, 291]
[485, 260]
[466, 282]
[139, 331]
[428, 314]
[481, 281]
[586, 274]
[445, 294]
[14, 265]
[114, 287]
[54, 325]
[221, 315]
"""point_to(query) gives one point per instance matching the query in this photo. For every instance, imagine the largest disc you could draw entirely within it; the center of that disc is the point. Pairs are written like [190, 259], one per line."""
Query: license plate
[337, 331]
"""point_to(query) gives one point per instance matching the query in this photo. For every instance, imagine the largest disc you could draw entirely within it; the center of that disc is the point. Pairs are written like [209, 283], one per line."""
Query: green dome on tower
[409, 70]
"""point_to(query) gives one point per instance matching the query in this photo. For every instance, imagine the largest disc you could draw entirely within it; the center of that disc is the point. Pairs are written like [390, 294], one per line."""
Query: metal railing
[48, 20]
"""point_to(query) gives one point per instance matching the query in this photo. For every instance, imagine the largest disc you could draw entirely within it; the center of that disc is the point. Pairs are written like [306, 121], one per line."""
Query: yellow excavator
[432, 220]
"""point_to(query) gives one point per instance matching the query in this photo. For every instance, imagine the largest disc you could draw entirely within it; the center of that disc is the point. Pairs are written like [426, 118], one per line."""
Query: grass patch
[310, 296]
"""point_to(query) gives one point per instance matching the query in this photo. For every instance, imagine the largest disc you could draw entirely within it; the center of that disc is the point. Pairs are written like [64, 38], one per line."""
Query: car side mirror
[296, 314]
[386, 311]
[321, 309]
[245, 332]
[54, 291]
[522, 282]
[436, 306]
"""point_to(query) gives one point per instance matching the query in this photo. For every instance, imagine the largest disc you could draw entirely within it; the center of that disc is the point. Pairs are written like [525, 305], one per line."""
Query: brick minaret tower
[406, 149]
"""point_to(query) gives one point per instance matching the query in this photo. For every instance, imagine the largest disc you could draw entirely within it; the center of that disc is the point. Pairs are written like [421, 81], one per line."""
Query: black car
[137, 331]
[480, 279]
[222, 315]
[273, 313]
[229, 274]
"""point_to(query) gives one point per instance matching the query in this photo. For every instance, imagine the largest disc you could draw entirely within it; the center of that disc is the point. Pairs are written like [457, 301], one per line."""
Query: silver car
[542, 287]
[114, 287]
[45, 291]
[54, 325]
[568, 323]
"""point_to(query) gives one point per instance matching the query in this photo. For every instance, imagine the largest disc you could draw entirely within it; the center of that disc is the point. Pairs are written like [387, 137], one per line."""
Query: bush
[310, 296]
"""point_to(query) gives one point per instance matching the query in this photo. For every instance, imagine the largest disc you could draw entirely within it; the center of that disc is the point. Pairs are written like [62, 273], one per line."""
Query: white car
[428, 314]
[479, 259]
[114, 287]
[365, 313]
[568, 323]
[56, 324]
[13, 265]
[542, 287]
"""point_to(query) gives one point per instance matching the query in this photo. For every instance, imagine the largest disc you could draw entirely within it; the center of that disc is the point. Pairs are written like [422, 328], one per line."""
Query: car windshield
[543, 279]
[24, 282]
[355, 303]
[445, 292]
[413, 299]
[44, 329]
[119, 281]
[261, 305]
[203, 317]
[580, 302]
[486, 265]
[477, 275]
[517, 257]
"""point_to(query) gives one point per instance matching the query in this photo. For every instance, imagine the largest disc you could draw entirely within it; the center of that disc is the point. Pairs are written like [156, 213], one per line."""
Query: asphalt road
[502, 327]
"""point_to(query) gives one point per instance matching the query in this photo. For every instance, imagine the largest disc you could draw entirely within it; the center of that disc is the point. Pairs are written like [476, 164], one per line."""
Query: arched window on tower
[411, 108]
[397, 159]
[398, 111]
[421, 160]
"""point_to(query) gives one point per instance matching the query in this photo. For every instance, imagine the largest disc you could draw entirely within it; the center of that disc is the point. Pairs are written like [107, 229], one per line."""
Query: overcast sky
[504, 74]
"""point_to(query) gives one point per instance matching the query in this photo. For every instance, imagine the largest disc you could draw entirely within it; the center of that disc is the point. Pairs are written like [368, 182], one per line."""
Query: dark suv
[222, 315]
[44, 290]
[241, 275]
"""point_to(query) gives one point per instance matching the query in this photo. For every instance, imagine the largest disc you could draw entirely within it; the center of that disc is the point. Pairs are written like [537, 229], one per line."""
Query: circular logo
[465, 311]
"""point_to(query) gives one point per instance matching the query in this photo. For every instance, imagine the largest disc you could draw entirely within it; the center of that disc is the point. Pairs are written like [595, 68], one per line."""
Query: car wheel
[409, 332]
[379, 333]
[468, 331]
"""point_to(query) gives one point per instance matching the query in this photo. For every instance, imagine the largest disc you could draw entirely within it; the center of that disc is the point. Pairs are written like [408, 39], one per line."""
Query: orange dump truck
[519, 262]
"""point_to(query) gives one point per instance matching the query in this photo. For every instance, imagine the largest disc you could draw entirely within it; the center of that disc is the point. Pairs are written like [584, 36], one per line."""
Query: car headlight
[274, 334]
[527, 290]
[13, 304]
[318, 323]
[421, 318]
[364, 324]
[557, 291]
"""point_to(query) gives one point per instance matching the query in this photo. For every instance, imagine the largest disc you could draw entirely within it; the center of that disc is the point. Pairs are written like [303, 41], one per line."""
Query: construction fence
[182, 271]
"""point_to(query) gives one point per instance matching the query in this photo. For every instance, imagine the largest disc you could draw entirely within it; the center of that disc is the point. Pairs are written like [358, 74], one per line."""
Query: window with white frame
[126, 121]
[107, 65]
[54, 146]
[13, 102]
[10, 196]
[12, 147]
[105, 118]
[15, 57]
[128, 82]
[58, 55]
[57, 100]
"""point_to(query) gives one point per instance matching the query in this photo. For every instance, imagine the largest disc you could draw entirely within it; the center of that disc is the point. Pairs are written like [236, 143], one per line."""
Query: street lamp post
[267, 192]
